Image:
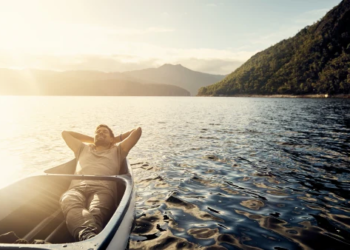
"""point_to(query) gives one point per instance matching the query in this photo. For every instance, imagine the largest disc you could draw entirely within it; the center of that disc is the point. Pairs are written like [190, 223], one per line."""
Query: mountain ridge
[44, 82]
[177, 75]
[152, 77]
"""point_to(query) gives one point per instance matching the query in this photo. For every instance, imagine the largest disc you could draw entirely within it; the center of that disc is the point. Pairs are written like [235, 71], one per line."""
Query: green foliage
[314, 61]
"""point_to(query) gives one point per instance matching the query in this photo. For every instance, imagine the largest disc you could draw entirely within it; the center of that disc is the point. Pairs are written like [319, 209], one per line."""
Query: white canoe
[30, 208]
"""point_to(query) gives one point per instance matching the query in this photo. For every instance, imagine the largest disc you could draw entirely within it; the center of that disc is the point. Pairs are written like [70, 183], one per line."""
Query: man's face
[102, 137]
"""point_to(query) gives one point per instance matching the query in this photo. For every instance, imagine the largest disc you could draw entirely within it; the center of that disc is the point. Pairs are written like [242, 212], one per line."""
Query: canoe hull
[30, 208]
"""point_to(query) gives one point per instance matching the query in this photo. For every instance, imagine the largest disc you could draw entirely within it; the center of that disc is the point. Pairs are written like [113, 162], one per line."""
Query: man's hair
[105, 126]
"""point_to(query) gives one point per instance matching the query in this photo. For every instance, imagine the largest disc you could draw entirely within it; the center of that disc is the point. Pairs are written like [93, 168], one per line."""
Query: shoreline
[322, 96]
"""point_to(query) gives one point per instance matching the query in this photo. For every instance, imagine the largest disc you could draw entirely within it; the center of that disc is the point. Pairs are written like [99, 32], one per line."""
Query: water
[211, 173]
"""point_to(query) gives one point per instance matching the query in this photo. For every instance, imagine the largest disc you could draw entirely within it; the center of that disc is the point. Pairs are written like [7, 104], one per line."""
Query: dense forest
[314, 61]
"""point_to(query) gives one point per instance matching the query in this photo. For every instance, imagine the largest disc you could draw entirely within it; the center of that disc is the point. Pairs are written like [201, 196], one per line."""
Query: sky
[115, 36]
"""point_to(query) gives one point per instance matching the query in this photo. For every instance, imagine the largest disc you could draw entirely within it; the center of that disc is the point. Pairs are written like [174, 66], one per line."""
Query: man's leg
[80, 222]
[101, 205]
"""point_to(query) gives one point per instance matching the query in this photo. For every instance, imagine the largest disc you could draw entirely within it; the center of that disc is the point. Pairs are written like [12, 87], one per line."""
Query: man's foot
[21, 241]
[40, 242]
[86, 235]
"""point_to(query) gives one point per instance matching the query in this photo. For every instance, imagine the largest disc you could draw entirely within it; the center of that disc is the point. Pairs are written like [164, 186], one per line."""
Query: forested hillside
[315, 61]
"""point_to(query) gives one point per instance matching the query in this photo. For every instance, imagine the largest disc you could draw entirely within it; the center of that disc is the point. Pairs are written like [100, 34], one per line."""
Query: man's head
[103, 136]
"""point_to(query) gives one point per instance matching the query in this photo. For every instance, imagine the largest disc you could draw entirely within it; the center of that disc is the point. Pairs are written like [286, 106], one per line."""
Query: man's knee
[71, 199]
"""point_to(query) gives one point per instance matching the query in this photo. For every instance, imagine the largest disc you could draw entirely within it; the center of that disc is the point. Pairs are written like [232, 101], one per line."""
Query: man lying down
[89, 204]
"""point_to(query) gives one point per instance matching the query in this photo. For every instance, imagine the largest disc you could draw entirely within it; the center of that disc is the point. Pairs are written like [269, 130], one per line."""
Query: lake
[211, 173]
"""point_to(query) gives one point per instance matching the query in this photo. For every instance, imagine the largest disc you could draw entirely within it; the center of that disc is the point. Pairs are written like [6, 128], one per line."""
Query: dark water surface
[211, 173]
[246, 174]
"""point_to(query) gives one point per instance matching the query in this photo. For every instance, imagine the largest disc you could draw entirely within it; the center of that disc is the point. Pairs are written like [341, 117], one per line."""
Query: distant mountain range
[167, 80]
[176, 75]
[315, 61]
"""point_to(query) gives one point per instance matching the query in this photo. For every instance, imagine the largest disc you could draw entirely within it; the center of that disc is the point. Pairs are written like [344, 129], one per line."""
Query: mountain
[175, 75]
[314, 61]
[90, 83]
[165, 80]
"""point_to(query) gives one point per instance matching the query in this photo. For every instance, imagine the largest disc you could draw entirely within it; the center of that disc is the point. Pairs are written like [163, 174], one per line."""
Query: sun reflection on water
[210, 173]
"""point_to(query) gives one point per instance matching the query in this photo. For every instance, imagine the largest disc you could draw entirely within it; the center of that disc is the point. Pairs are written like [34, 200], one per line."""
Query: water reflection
[211, 173]
[276, 179]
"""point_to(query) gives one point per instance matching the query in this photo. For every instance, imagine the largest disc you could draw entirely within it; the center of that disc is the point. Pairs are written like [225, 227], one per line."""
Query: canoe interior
[30, 207]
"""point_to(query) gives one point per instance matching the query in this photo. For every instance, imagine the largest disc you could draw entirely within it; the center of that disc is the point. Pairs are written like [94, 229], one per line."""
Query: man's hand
[129, 142]
[121, 137]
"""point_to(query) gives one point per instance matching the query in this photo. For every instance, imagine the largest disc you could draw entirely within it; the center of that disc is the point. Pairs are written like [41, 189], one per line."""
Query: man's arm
[74, 140]
[128, 143]
[123, 136]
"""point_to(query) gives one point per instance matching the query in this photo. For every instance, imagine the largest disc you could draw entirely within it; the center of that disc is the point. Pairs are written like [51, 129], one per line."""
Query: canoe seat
[43, 224]
[56, 232]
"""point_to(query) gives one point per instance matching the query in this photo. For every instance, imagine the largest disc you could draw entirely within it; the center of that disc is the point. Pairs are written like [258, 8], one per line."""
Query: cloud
[97, 48]
[107, 63]
[165, 14]
[59, 45]
[61, 37]
[211, 5]
[132, 32]
[114, 63]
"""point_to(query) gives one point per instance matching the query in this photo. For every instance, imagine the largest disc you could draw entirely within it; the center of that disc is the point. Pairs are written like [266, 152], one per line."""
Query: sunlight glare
[10, 168]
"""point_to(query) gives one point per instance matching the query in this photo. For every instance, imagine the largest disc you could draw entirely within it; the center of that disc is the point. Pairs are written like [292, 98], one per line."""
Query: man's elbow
[139, 130]
[64, 134]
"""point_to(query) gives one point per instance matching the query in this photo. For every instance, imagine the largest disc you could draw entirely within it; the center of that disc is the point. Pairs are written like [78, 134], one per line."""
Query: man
[88, 204]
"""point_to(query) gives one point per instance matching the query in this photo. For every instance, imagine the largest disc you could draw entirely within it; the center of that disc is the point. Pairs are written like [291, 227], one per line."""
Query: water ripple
[210, 173]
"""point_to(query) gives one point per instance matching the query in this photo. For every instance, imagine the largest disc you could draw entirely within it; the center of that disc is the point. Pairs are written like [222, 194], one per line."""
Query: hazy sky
[114, 35]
